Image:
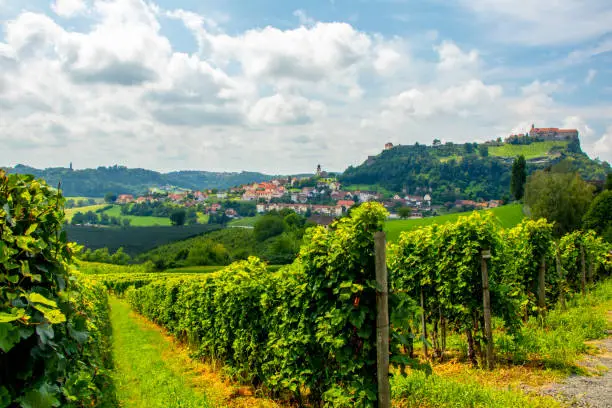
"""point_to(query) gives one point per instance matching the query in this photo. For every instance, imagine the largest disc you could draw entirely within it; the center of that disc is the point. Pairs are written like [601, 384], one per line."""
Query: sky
[280, 86]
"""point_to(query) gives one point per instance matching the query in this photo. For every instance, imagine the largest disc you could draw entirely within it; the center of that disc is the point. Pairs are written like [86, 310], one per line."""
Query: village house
[345, 203]
[124, 199]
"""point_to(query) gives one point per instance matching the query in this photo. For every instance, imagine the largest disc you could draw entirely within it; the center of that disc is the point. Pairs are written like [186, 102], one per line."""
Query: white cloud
[68, 8]
[462, 99]
[303, 17]
[539, 88]
[303, 54]
[590, 76]
[603, 146]
[285, 110]
[452, 58]
[543, 22]
[116, 90]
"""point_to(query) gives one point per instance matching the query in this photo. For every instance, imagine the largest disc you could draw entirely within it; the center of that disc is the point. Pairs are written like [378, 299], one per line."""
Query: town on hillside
[321, 198]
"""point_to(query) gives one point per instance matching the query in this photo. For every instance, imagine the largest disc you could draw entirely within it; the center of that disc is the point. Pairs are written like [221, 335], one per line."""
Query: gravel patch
[588, 391]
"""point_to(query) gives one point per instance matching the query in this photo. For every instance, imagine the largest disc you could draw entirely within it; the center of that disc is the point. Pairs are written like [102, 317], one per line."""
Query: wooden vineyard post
[382, 322]
[583, 267]
[486, 301]
[424, 325]
[542, 287]
[561, 277]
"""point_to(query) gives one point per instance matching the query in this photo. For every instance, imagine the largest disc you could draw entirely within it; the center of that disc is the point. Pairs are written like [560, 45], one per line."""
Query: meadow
[138, 221]
[530, 151]
[508, 216]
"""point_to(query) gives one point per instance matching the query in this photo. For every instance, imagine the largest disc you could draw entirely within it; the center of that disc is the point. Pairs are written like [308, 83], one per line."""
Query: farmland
[134, 240]
[530, 151]
[508, 216]
[237, 294]
[138, 221]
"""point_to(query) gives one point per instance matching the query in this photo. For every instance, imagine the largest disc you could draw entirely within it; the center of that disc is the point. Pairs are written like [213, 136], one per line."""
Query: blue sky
[279, 86]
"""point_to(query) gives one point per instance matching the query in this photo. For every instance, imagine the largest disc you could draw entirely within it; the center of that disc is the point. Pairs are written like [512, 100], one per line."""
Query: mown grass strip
[143, 375]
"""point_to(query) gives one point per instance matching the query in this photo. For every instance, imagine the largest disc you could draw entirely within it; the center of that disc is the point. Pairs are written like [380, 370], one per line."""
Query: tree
[178, 217]
[609, 182]
[599, 215]
[437, 142]
[519, 177]
[560, 197]
[126, 222]
[404, 212]
[269, 226]
[110, 197]
[483, 150]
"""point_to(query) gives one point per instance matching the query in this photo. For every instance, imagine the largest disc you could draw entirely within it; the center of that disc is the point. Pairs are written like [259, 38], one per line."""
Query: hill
[465, 171]
[122, 180]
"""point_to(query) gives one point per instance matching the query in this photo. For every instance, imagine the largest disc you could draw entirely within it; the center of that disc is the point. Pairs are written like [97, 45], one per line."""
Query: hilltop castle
[543, 134]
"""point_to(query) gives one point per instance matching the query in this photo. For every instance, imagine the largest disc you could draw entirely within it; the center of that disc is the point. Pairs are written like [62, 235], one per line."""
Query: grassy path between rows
[143, 377]
[154, 371]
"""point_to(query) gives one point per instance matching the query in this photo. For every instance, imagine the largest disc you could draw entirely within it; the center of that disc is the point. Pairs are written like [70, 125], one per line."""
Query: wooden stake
[382, 322]
[561, 277]
[583, 266]
[424, 325]
[486, 301]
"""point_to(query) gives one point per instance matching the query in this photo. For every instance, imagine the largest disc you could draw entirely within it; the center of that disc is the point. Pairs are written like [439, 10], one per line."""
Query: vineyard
[305, 334]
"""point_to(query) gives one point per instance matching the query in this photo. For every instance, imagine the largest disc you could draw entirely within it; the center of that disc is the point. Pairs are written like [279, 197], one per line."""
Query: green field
[98, 200]
[531, 151]
[367, 187]
[244, 222]
[508, 216]
[137, 221]
[71, 211]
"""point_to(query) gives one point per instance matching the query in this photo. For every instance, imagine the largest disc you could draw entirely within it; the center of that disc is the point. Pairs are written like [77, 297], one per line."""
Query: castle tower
[318, 170]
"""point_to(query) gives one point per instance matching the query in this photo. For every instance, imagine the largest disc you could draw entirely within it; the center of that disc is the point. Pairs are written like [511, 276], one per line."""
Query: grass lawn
[508, 216]
[244, 222]
[138, 221]
[537, 149]
[69, 212]
[147, 372]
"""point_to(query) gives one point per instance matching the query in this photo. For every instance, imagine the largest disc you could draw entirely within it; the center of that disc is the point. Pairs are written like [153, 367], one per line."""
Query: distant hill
[466, 171]
[122, 180]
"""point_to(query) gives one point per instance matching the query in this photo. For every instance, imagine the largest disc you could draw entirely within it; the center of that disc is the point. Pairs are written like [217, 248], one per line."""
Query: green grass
[210, 268]
[531, 151]
[419, 390]
[244, 222]
[138, 221]
[195, 269]
[77, 199]
[203, 218]
[71, 211]
[145, 375]
[367, 187]
[449, 158]
[508, 215]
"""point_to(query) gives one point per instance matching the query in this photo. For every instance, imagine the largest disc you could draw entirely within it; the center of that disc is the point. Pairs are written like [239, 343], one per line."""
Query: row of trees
[98, 218]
